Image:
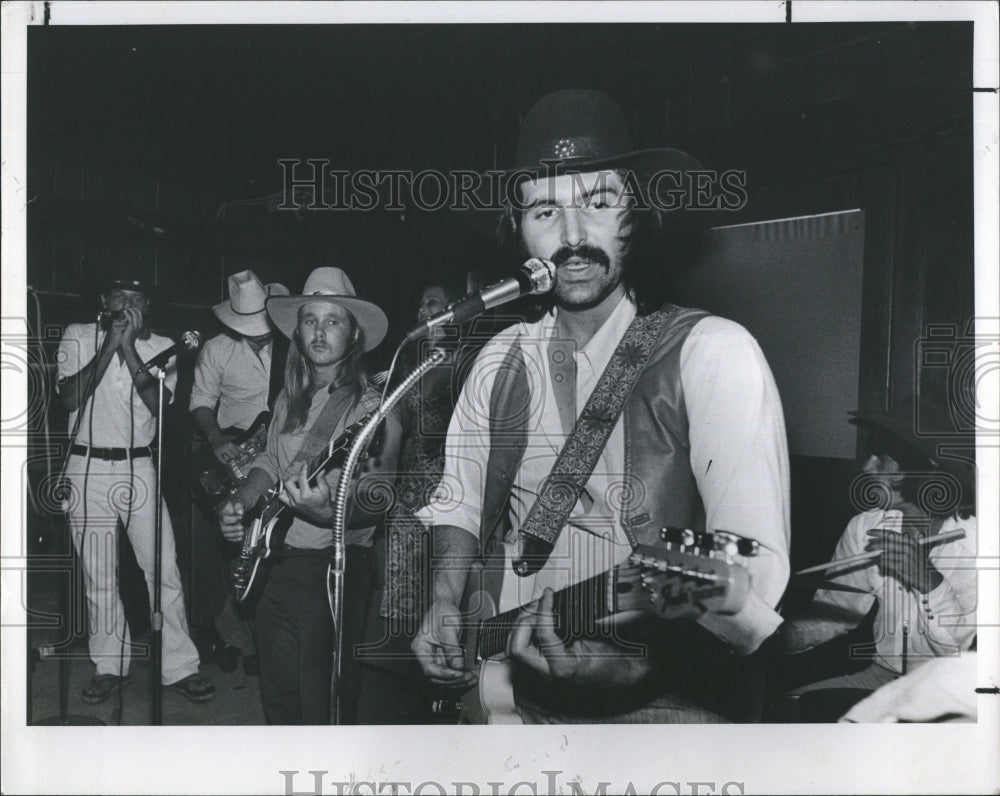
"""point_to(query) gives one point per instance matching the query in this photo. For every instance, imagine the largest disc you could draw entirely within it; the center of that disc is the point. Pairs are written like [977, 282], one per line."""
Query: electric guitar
[268, 521]
[215, 482]
[671, 583]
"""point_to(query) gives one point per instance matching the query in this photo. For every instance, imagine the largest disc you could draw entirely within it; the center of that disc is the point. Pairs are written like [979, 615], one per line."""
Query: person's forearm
[256, 484]
[454, 550]
[204, 421]
[144, 381]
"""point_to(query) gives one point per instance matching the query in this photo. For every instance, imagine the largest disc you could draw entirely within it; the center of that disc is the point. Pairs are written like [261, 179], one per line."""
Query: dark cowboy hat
[921, 426]
[576, 131]
[124, 278]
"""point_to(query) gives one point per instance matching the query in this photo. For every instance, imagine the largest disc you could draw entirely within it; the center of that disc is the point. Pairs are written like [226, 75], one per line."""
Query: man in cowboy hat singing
[699, 443]
[325, 392]
[230, 391]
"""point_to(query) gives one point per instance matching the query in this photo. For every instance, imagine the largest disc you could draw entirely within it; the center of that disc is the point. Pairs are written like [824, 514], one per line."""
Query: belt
[112, 454]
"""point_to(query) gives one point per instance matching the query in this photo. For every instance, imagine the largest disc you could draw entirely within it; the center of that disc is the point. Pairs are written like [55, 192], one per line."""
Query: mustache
[594, 254]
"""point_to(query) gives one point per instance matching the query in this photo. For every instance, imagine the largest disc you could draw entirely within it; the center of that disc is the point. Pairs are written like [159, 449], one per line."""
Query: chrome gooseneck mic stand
[335, 570]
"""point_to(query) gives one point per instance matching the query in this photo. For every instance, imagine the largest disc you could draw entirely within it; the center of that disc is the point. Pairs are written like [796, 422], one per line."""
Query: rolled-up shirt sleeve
[739, 457]
[70, 358]
[207, 387]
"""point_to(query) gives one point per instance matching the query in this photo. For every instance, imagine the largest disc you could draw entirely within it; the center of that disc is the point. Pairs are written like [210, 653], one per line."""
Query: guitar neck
[325, 459]
[578, 608]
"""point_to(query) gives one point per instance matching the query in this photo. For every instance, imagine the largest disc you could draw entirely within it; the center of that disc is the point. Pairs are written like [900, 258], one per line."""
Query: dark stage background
[159, 148]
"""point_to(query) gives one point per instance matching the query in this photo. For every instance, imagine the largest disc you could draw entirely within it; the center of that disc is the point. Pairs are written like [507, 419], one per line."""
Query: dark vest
[659, 488]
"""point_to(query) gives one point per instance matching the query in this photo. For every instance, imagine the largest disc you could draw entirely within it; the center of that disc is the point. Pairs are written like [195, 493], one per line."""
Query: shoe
[251, 666]
[195, 687]
[225, 658]
[100, 687]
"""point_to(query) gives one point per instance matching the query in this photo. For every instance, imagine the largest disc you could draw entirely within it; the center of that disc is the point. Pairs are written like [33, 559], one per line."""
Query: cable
[388, 373]
[128, 522]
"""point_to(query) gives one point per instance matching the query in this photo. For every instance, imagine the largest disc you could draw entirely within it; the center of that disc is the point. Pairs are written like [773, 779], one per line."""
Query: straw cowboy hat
[334, 286]
[576, 131]
[243, 311]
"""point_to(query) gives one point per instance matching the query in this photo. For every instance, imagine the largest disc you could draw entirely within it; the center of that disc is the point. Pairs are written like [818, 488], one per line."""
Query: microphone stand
[335, 570]
[156, 620]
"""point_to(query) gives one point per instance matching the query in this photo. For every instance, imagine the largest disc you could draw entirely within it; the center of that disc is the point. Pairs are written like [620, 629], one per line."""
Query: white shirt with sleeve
[941, 622]
[738, 456]
[232, 380]
[116, 421]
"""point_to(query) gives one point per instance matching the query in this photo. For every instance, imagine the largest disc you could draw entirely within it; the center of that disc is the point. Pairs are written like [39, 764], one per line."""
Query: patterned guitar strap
[578, 457]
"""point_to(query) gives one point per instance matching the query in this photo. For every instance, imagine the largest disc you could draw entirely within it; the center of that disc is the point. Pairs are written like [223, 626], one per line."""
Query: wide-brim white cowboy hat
[243, 311]
[334, 286]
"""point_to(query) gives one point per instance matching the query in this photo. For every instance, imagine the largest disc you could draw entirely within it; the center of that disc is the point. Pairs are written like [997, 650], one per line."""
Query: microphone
[106, 317]
[189, 342]
[534, 277]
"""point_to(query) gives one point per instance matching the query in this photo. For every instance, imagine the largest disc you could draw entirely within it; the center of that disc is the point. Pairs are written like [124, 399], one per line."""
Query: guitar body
[213, 481]
[261, 548]
[492, 699]
[267, 522]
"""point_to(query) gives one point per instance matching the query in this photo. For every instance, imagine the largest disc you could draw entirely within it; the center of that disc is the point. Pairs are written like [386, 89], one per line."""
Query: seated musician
[925, 590]
[230, 392]
[700, 444]
[325, 392]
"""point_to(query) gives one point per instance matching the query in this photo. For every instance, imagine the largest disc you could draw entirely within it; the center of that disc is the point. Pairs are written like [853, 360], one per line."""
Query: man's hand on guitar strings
[231, 519]
[535, 643]
[312, 502]
[438, 649]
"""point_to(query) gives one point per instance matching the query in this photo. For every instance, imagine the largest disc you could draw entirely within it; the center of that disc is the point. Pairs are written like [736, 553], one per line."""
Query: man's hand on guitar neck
[535, 644]
[310, 501]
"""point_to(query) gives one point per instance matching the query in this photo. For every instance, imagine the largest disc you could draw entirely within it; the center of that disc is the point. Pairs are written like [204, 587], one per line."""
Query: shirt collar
[613, 328]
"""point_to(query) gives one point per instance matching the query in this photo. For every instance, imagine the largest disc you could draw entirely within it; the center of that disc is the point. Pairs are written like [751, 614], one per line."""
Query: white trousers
[103, 493]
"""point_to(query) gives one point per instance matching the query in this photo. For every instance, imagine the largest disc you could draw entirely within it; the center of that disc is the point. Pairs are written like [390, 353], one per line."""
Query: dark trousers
[213, 603]
[295, 636]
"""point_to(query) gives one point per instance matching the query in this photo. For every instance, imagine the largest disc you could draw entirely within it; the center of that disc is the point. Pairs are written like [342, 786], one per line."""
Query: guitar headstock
[674, 584]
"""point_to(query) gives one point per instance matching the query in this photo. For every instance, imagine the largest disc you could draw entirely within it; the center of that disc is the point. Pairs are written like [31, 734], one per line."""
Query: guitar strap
[578, 457]
[276, 376]
[321, 432]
